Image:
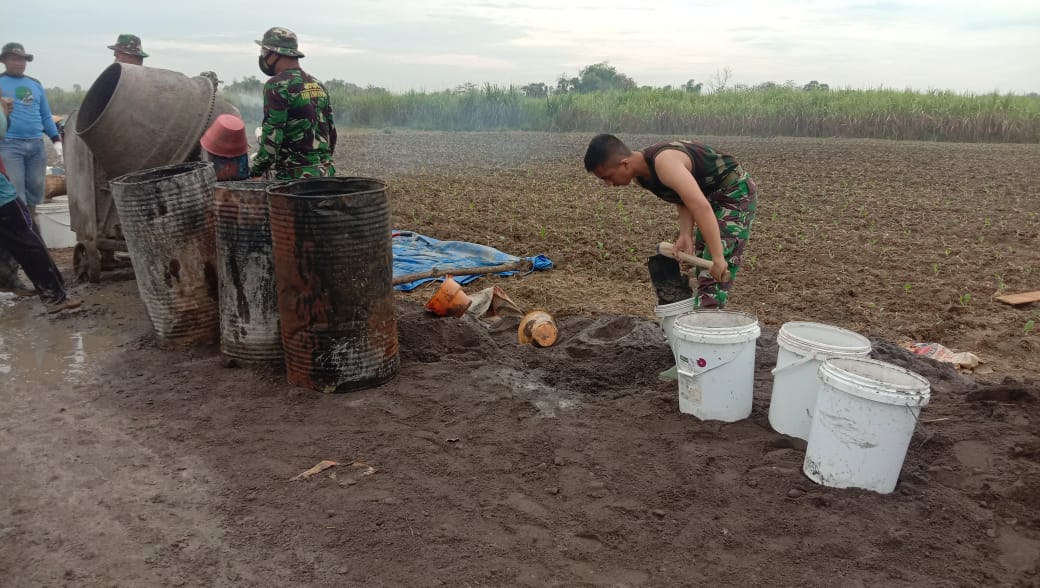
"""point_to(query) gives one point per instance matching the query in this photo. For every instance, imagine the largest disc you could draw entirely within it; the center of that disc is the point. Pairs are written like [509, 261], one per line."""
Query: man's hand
[684, 244]
[8, 105]
[720, 270]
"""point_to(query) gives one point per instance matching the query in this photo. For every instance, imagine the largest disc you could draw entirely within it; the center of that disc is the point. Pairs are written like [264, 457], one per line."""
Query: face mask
[268, 69]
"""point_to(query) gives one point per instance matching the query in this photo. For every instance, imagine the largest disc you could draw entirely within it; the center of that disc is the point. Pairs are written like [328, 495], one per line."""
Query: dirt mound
[596, 355]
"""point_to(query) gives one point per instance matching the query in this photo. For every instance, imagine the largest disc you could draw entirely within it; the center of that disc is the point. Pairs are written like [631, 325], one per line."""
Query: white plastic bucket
[668, 313]
[866, 412]
[715, 352]
[803, 347]
[55, 223]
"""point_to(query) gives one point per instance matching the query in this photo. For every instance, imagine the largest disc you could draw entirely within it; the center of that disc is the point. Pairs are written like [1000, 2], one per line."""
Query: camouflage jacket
[298, 135]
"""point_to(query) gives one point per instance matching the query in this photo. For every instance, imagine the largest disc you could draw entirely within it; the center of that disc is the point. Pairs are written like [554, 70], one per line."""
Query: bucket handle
[917, 421]
[804, 360]
[682, 372]
[910, 409]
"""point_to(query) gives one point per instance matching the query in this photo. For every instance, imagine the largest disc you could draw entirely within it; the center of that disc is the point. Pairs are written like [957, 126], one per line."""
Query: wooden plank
[1020, 298]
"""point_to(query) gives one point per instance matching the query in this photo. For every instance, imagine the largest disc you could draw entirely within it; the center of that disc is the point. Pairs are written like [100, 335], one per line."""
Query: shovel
[668, 250]
[670, 284]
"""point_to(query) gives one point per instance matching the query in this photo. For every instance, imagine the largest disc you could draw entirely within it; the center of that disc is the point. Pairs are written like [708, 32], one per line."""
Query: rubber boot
[669, 375]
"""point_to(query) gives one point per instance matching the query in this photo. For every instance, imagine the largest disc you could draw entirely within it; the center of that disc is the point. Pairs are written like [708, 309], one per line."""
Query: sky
[428, 45]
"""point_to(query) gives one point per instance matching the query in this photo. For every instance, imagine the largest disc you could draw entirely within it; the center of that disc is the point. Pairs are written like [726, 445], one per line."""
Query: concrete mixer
[132, 118]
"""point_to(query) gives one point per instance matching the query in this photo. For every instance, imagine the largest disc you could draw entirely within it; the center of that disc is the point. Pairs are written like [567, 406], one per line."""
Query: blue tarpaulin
[414, 253]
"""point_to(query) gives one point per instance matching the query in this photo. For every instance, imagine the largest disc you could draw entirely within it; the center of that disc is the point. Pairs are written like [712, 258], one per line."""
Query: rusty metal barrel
[334, 271]
[167, 219]
[245, 265]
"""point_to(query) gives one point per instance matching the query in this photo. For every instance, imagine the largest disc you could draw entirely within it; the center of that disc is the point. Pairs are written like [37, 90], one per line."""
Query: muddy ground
[496, 464]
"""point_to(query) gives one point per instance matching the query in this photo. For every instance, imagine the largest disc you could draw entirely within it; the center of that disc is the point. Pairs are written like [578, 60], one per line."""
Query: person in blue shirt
[21, 239]
[23, 150]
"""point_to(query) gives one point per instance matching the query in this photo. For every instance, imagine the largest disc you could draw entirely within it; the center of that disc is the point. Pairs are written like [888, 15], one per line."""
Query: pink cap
[226, 137]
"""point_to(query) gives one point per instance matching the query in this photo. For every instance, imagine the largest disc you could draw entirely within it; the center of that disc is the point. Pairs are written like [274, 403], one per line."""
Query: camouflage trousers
[317, 170]
[734, 207]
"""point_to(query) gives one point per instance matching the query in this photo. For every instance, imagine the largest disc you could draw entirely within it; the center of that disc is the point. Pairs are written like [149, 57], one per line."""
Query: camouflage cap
[15, 49]
[282, 41]
[129, 44]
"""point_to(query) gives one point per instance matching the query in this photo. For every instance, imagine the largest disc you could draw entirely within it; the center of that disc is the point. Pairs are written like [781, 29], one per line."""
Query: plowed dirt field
[489, 463]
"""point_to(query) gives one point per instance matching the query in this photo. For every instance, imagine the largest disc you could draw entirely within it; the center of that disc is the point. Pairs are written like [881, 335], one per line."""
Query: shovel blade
[670, 284]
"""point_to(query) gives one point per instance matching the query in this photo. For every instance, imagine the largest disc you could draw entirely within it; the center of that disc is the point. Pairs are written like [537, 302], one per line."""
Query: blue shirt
[32, 115]
[7, 191]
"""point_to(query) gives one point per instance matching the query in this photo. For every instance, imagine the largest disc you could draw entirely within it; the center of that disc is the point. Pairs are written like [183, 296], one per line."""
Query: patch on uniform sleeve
[313, 90]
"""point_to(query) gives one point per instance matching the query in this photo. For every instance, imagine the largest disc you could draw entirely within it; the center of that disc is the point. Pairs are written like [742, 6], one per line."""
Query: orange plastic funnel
[449, 299]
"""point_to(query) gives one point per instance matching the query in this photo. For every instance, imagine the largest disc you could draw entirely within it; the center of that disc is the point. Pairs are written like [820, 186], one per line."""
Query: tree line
[600, 98]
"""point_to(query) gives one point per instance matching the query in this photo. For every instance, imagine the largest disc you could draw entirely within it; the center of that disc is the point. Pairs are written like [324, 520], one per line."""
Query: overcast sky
[431, 45]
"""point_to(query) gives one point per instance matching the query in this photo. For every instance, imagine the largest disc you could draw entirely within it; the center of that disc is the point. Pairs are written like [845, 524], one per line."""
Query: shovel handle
[521, 265]
[668, 250]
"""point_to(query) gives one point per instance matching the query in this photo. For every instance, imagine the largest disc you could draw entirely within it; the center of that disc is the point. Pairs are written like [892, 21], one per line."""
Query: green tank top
[711, 168]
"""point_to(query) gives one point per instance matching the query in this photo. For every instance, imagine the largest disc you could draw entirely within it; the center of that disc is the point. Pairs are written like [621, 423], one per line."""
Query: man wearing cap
[128, 49]
[23, 150]
[298, 136]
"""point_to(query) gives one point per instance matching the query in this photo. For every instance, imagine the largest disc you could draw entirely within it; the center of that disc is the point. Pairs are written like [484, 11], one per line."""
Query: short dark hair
[602, 148]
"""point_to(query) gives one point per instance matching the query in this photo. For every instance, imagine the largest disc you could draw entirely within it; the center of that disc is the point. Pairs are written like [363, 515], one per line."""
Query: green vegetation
[600, 99]
[63, 102]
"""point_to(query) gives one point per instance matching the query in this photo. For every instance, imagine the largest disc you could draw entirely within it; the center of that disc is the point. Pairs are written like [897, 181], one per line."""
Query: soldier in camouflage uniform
[714, 197]
[128, 49]
[712, 194]
[298, 136]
